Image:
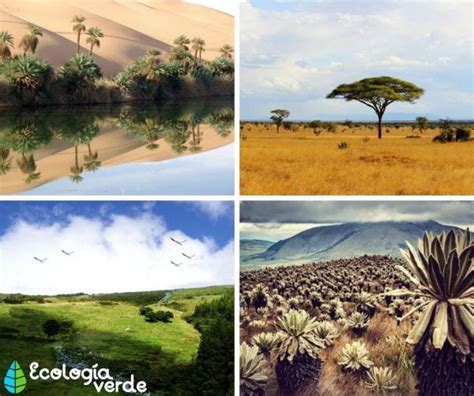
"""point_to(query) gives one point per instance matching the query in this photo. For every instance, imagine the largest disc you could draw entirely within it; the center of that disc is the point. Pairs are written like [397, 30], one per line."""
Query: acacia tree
[422, 123]
[278, 115]
[378, 93]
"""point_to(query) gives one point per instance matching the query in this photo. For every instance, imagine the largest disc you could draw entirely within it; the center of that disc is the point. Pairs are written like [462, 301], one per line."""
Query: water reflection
[42, 145]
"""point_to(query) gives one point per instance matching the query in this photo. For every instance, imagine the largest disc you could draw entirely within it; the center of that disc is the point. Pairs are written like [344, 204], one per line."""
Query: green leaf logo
[15, 380]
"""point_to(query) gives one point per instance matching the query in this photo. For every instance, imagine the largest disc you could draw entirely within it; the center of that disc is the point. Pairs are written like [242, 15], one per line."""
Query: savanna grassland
[297, 161]
[113, 331]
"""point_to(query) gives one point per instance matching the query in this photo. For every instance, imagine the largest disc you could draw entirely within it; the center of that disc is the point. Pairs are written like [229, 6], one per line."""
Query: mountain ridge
[346, 240]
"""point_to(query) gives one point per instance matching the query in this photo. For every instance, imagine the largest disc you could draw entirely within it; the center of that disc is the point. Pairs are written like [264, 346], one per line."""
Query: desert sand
[114, 148]
[131, 27]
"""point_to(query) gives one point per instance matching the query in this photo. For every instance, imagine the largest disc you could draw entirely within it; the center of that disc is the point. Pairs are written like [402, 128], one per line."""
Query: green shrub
[77, 74]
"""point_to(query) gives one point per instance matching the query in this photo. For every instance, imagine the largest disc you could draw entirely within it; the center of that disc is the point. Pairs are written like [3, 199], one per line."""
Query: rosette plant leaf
[298, 359]
[252, 371]
[441, 272]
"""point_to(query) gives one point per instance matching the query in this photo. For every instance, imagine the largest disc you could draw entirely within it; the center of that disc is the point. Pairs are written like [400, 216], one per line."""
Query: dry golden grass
[301, 163]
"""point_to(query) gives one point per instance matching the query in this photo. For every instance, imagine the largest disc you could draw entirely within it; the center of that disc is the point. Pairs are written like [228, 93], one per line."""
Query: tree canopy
[378, 93]
[278, 115]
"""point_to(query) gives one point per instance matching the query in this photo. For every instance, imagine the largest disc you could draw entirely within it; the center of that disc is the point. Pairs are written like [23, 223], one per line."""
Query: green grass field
[111, 332]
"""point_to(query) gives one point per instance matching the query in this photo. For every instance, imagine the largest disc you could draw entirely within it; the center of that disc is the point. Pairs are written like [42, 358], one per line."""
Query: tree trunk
[78, 42]
[442, 372]
[92, 49]
[278, 128]
[380, 125]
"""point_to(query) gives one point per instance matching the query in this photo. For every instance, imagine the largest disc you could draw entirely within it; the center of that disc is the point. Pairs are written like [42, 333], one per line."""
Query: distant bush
[137, 298]
[51, 328]
[450, 133]
[342, 145]
[14, 299]
[159, 316]
[145, 310]
[108, 303]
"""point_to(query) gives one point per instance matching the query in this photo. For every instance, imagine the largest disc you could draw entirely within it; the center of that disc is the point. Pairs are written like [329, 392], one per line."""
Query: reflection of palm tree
[177, 135]
[92, 162]
[76, 169]
[5, 161]
[195, 144]
[144, 123]
[27, 165]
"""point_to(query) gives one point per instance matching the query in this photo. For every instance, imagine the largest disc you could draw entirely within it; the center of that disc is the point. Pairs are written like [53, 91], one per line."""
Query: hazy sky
[294, 53]
[227, 6]
[118, 246]
[278, 220]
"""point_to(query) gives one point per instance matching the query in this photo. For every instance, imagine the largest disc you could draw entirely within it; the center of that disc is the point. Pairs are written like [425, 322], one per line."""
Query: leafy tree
[378, 93]
[422, 123]
[78, 73]
[29, 42]
[51, 328]
[183, 57]
[94, 34]
[27, 165]
[6, 44]
[29, 77]
[5, 160]
[226, 51]
[78, 27]
[316, 126]
[214, 367]
[221, 67]
[278, 115]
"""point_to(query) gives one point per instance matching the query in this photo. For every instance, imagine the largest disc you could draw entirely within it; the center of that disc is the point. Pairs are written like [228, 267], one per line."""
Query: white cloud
[214, 209]
[120, 254]
[292, 56]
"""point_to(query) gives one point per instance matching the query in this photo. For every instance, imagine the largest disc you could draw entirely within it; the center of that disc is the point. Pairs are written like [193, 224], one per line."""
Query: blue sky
[294, 53]
[118, 246]
[198, 219]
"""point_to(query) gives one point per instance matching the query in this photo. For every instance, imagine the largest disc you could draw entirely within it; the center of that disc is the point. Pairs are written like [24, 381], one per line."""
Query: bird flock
[188, 256]
[175, 263]
[42, 260]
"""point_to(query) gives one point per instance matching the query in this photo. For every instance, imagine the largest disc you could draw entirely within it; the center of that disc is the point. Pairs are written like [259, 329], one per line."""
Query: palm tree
[6, 44]
[29, 42]
[441, 271]
[182, 42]
[198, 47]
[149, 66]
[78, 27]
[94, 35]
[226, 51]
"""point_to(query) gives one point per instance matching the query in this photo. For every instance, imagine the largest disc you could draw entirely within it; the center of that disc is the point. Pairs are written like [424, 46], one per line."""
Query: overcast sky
[117, 246]
[278, 220]
[294, 53]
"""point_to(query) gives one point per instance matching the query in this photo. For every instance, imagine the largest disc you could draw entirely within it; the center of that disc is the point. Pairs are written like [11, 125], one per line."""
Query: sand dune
[130, 27]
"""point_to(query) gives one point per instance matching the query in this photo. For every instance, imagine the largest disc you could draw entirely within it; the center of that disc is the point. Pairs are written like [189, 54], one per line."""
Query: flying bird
[176, 264]
[178, 242]
[67, 253]
[40, 260]
[189, 257]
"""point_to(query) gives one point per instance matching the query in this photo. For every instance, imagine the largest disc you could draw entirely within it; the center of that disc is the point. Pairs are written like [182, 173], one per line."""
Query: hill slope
[348, 240]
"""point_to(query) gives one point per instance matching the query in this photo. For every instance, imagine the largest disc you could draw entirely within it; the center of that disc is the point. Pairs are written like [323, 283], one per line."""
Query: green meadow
[109, 330]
